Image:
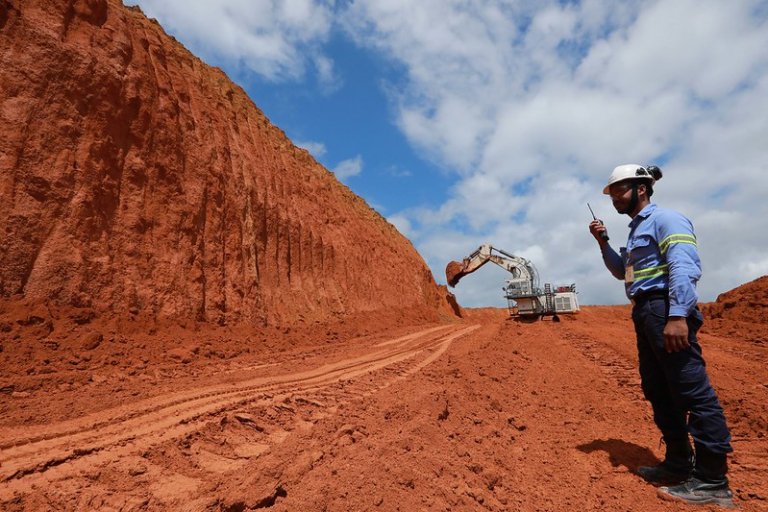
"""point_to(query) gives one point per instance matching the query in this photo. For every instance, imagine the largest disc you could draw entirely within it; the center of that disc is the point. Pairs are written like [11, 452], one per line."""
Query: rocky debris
[261, 495]
[98, 378]
[181, 354]
[138, 469]
[249, 420]
[83, 316]
[349, 434]
[92, 340]
[308, 401]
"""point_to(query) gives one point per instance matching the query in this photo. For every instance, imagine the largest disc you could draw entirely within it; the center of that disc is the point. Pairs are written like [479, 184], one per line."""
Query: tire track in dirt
[613, 364]
[72, 446]
[31, 434]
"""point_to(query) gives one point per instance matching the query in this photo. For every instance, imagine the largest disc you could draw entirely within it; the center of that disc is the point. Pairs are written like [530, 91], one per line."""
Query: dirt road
[487, 414]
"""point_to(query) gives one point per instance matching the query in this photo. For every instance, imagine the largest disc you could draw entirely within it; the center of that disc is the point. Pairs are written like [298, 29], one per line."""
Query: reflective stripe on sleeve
[676, 239]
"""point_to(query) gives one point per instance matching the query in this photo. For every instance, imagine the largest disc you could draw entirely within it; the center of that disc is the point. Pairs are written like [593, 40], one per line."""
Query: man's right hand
[596, 228]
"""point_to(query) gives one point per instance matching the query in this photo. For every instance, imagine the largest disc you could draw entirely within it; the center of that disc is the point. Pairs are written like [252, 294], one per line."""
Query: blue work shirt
[660, 255]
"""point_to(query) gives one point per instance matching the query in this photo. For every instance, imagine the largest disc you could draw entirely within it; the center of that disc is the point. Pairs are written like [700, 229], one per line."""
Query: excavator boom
[520, 268]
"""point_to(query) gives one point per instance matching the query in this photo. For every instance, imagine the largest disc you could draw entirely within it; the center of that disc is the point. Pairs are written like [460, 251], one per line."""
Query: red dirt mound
[742, 311]
[137, 180]
[748, 302]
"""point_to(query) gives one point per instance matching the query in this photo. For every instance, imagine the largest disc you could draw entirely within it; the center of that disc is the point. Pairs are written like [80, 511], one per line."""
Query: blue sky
[354, 122]
[470, 122]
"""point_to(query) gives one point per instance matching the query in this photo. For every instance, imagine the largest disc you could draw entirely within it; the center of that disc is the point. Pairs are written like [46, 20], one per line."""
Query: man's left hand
[676, 334]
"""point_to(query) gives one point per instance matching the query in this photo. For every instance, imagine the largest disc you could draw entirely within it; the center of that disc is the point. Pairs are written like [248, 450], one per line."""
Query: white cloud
[398, 171]
[348, 168]
[276, 39]
[533, 104]
[329, 80]
[317, 149]
[402, 224]
[447, 48]
[702, 47]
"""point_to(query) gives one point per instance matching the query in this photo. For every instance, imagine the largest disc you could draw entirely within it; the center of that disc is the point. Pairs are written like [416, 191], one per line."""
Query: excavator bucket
[453, 272]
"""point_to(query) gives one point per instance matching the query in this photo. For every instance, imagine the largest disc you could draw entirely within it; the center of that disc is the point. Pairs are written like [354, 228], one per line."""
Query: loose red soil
[482, 414]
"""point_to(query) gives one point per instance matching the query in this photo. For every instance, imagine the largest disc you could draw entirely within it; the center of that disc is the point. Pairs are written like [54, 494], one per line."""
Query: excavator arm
[456, 270]
[522, 270]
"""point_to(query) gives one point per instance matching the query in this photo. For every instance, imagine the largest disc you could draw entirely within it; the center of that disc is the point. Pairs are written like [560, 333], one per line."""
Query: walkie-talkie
[603, 234]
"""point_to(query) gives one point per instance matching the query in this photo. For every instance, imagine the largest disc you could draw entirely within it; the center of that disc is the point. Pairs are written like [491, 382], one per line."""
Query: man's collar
[642, 214]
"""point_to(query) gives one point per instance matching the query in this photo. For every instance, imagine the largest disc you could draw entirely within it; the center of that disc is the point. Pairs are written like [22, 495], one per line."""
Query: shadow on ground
[622, 453]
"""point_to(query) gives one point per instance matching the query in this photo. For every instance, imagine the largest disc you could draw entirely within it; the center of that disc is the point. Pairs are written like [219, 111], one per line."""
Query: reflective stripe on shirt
[647, 273]
[679, 238]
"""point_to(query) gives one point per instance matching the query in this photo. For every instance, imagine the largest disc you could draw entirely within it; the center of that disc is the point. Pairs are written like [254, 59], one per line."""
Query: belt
[648, 295]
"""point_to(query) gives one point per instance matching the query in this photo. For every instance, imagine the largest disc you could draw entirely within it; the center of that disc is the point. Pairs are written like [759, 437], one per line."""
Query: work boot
[676, 466]
[708, 485]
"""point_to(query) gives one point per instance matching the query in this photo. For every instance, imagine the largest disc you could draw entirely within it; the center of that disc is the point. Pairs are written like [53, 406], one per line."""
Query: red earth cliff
[138, 181]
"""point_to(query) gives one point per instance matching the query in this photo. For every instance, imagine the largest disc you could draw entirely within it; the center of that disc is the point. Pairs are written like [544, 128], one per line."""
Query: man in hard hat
[660, 268]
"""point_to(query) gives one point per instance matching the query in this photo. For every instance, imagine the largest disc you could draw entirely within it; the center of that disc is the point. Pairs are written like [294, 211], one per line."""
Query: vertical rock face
[135, 178]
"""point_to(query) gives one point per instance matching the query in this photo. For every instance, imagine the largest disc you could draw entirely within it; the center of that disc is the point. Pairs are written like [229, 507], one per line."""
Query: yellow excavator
[525, 297]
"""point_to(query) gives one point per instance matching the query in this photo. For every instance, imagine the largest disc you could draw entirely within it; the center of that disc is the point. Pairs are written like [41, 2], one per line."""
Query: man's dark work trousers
[676, 384]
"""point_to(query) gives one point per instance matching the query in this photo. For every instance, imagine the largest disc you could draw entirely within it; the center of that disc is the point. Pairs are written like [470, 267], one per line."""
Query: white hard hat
[628, 172]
